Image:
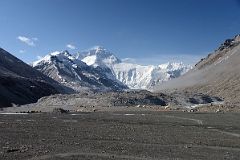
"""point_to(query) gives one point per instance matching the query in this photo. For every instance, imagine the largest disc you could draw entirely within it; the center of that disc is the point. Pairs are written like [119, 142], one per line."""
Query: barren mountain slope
[218, 74]
[21, 84]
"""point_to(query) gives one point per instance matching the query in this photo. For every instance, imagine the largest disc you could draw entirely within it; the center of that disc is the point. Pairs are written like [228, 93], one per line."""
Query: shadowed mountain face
[21, 84]
[218, 74]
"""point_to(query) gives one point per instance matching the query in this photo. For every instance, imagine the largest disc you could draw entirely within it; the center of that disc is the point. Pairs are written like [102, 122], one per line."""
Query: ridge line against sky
[146, 31]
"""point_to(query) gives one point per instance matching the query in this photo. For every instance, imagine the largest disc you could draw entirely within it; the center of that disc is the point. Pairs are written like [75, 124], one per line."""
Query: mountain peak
[237, 38]
[99, 56]
[63, 56]
[60, 53]
[172, 65]
[98, 48]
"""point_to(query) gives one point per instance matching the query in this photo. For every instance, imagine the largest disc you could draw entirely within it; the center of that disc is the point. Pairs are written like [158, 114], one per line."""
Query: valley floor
[138, 135]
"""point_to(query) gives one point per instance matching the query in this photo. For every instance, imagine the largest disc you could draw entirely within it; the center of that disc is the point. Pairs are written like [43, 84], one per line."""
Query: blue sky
[148, 31]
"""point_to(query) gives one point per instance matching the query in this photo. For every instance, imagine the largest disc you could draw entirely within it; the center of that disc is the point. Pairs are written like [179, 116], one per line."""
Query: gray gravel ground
[134, 135]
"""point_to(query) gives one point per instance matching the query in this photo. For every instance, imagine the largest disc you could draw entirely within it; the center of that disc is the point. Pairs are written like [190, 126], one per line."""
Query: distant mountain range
[100, 69]
[218, 74]
[63, 73]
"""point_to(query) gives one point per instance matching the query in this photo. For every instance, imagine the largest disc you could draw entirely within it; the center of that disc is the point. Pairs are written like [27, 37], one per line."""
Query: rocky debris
[21, 149]
[230, 43]
[32, 111]
[190, 99]
[140, 99]
[60, 110]
[219, 108]
[218, 111]
[193, 110]
[13, 150]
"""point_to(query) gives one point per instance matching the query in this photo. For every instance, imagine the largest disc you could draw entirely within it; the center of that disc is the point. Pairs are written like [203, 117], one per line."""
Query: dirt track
[120, 135]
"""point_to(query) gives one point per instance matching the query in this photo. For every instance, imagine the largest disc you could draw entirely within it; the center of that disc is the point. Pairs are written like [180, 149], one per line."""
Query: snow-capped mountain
[98, 56]
[74, 73]
[135, 76]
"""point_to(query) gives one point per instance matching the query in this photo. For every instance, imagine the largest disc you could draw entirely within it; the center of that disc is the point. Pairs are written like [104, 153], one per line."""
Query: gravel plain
[137, 135]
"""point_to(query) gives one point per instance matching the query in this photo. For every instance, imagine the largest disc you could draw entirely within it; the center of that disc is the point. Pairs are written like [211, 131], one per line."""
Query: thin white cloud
[70, 46]
[35, 39]
[22, 51]
[28, 41]
[160, 59]
[129, 60]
